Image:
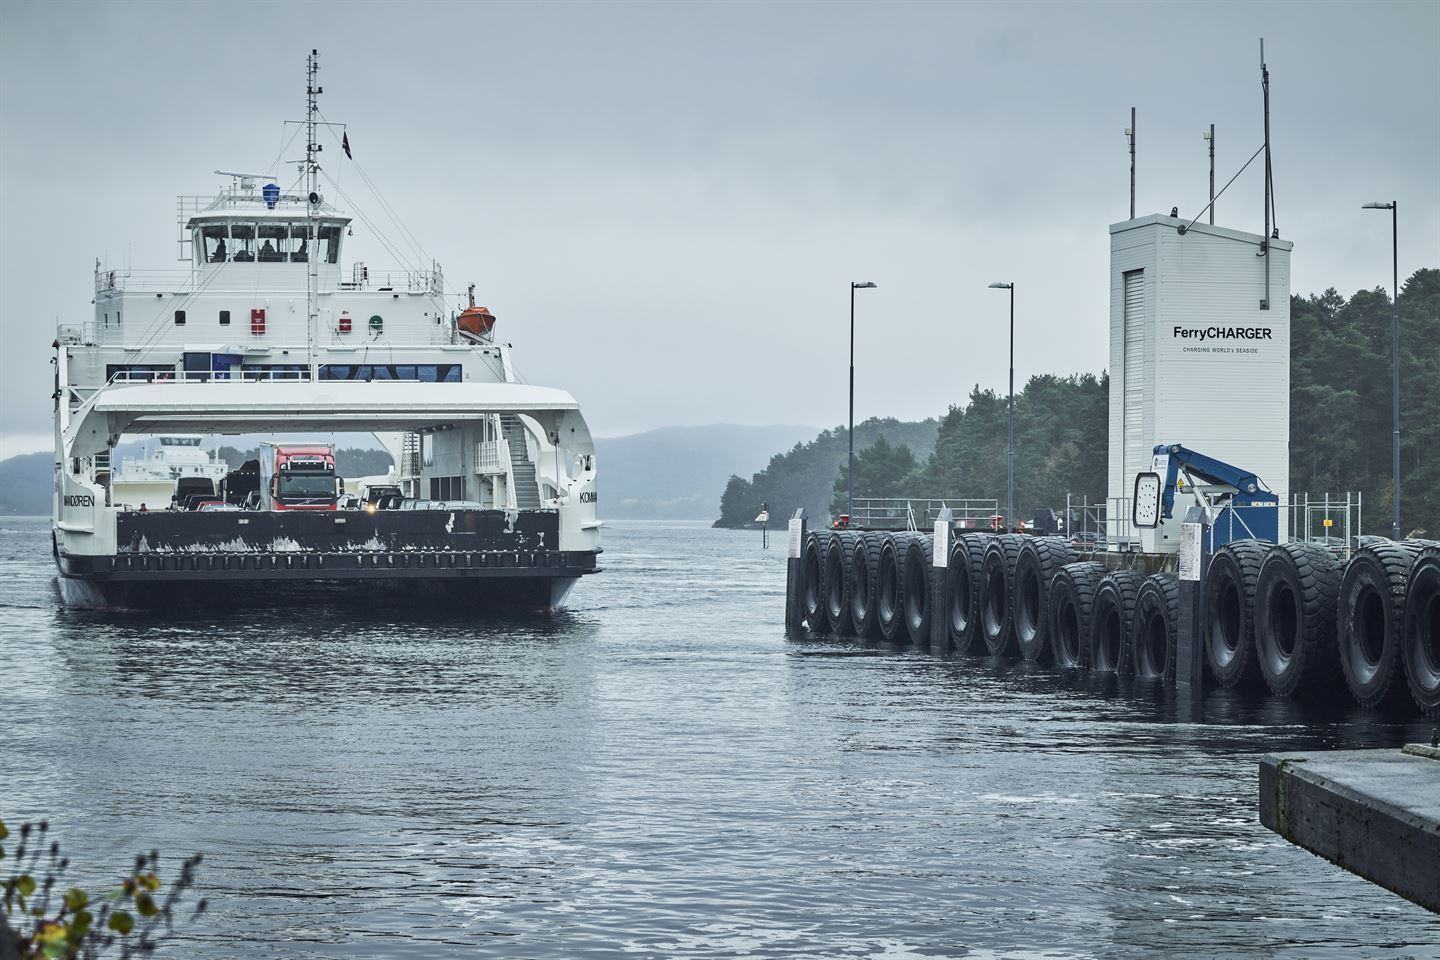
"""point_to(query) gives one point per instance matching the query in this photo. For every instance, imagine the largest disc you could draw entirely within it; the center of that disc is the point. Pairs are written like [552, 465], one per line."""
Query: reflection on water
[659, 773]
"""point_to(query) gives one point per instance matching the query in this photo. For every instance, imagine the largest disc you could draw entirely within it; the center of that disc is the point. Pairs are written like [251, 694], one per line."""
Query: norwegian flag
[345, 145]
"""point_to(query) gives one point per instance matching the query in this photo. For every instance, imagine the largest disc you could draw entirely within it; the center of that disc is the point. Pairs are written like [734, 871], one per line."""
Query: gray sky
[665, 203]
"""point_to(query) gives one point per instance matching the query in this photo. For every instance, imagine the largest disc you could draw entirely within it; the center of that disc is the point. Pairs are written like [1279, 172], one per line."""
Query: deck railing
[492, 457]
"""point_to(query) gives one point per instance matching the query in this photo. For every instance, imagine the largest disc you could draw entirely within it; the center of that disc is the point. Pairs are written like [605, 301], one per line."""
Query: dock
[1375, 813]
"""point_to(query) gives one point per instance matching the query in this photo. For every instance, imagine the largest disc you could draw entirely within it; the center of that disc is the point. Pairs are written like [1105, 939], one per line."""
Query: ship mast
[312, 246]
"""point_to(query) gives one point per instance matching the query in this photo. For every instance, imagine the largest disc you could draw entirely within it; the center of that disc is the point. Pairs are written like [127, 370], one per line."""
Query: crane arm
[1249, 489]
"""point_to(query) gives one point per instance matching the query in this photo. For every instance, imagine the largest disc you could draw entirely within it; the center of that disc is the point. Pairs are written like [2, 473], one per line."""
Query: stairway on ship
[522, 469]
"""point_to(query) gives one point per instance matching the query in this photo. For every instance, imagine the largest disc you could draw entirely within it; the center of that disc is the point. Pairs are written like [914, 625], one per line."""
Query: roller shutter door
[1137, 444]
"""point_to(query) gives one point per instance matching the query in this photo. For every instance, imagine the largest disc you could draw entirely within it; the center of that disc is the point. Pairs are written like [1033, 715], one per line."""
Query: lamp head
[867, 285]
[1377, 205]
[1002, 286]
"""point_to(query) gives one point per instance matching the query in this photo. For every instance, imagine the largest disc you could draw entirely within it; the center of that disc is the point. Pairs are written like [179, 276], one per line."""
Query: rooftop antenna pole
[1211, 138]
[312, 170]
[1130, 135]
[1265, 238]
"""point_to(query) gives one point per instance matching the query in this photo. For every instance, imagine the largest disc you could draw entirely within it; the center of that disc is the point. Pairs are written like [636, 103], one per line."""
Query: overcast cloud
[665, 203]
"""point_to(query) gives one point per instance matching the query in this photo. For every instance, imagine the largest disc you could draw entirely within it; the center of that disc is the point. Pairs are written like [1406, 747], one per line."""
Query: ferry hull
[486, 559]
[521, 590]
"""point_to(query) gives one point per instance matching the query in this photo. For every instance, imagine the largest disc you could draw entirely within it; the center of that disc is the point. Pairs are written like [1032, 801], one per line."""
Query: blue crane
[1237, 501]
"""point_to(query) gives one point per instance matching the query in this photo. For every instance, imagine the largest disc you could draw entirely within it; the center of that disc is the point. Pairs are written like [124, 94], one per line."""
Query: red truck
[298, 477]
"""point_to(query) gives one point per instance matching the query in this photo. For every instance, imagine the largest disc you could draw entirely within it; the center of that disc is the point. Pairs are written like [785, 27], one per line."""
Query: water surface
[657, 773]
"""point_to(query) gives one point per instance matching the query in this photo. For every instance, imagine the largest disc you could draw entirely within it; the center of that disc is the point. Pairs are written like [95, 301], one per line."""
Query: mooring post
[1190, 645]
[939, 584]
[794, 573]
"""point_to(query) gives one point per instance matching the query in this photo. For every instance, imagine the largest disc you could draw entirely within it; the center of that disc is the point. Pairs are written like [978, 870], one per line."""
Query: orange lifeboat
[475, 322]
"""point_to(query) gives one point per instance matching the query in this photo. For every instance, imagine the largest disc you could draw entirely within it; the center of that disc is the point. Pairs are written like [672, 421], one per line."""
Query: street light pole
[850, 471]
[1010, 428]
[1394, 207]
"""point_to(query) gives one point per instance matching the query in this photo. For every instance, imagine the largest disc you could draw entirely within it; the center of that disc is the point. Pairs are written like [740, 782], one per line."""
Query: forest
[1340, 428]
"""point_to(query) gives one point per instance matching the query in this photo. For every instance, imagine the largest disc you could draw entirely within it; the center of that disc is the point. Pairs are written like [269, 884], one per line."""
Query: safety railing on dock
[1331, 523]
[909, 513]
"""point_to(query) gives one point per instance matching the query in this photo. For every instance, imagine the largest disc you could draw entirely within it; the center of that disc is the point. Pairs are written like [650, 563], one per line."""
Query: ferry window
[426, 373]
[242, 242]
[405, 372]
[224, 318]
[140, 371]
[274, 242]
[447, 488]
[329, 240]
[299, 242]
[214, 236]
[179, 318]
[452, 373]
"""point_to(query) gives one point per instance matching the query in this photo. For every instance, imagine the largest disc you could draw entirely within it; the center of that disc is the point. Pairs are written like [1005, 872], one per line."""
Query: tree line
[1340, 433]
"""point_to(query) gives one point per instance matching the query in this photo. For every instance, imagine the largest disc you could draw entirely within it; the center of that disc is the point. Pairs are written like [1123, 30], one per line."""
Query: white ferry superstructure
[265, 333]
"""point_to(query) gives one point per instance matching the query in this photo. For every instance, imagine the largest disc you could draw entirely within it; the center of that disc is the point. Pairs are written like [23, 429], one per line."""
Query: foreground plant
[39, 921]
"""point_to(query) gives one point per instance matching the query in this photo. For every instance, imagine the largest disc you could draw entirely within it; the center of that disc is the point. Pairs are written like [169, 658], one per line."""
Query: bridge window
[179, 318]
[224, 318]
[215, 236]
[299, 242]
[274, 242]
[242, 242]
[329, 240]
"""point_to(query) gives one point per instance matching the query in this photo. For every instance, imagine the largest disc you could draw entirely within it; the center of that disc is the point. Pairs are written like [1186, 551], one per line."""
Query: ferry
[152, 479]
[264, 331]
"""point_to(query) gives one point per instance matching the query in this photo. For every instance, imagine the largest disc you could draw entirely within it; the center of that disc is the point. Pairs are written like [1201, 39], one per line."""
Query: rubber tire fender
[967, 555]
[1072, 604]
[1229, 605]
[890, 587]
[812, 595]
[1112, 618]
[1039, 560]
[916, 582]
[1371, 611]
[1421, 632]
[1154, 642]
[1295, 612]
[839, 554]
[996, 610]
[864, 577]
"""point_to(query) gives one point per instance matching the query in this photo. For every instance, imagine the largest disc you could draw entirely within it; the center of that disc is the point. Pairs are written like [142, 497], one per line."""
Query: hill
[25, 484]
[804, 476]
[674, 473]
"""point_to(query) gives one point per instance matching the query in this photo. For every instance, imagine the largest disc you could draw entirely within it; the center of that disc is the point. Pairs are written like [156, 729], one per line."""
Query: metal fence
[911, 513]
[1332, 523]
